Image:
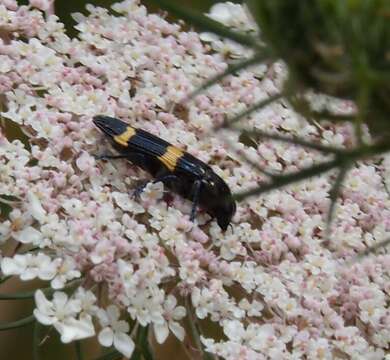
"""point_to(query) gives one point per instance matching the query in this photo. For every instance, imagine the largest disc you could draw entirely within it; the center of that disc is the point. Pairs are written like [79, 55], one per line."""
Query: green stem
[283, 180]
[292, 140]
[17, 324]
[362, 105]
[30, 294]
[315, 170]
[113, 355]
[205, 23]
[5, 278]
[36, 340]
[257, 58]
[250, 110]
[193, 327]
[79, 353]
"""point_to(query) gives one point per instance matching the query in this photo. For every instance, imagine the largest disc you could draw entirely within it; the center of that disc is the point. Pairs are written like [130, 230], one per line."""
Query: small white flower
[29, 266]
[43, 5]
[200, 301]
[35, 207]
[153, 191]
[115, 331]
[252, 309]
[87, 301]
[29, 235]
[103, 251]
[232, 15]
[171, 313]
[371, 311]
[62, 313]
[127, 204]
[66, 270]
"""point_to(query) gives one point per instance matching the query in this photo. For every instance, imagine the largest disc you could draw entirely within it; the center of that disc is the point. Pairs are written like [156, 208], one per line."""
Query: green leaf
[205, 23]
[232, 69]
[17, 324]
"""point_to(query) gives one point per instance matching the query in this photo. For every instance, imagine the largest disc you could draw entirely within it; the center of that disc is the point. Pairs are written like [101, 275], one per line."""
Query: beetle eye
[209, 182]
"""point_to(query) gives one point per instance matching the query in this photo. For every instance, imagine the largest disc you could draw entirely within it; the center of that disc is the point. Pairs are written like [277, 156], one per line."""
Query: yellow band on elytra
[171, 156]
[124, 138]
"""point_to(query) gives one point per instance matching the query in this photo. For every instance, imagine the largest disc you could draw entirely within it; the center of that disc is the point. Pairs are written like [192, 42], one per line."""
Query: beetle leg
[162, 178]
[195, 198]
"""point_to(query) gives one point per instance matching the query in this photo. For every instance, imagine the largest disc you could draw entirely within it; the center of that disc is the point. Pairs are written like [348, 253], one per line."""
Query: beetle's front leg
[195, 198]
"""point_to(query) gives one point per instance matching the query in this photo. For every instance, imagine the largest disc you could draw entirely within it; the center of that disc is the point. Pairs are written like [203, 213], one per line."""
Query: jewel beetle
[178, 170]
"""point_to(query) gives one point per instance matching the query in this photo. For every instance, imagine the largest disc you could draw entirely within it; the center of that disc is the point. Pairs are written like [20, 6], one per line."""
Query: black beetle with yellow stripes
[178, 170]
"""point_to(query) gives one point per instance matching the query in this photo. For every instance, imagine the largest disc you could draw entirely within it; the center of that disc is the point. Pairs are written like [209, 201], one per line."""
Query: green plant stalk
[206, 24]
[291, 140]
[17, 324]
[333, 194]
[78, 350]
[193, 327]
[30, 294]
[36, 340]
[250, 110]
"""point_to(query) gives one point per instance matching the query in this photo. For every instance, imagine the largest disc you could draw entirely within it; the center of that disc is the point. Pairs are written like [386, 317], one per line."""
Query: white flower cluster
[268, 284]
[235, 17]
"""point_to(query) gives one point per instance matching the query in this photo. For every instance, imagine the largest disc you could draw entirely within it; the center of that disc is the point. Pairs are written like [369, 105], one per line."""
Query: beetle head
[110, 126]
[218, 199]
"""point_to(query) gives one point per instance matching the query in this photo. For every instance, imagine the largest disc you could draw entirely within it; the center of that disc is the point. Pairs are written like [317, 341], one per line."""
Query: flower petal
[177, 330]
[161, 332]
[43, 305]
[29, 235]
[124, 344]
[10, 267]
[106, 337]
[44, 318]
[72, 329]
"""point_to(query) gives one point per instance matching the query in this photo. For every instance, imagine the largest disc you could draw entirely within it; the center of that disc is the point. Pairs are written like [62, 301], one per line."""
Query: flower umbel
[267, 284]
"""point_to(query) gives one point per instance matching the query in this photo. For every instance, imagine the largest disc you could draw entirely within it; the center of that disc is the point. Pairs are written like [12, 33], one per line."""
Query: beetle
[181, 172]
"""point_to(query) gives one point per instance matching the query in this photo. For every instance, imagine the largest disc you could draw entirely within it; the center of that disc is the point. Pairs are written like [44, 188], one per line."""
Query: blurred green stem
[17, 324]
[338, 162]
[193, 326]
